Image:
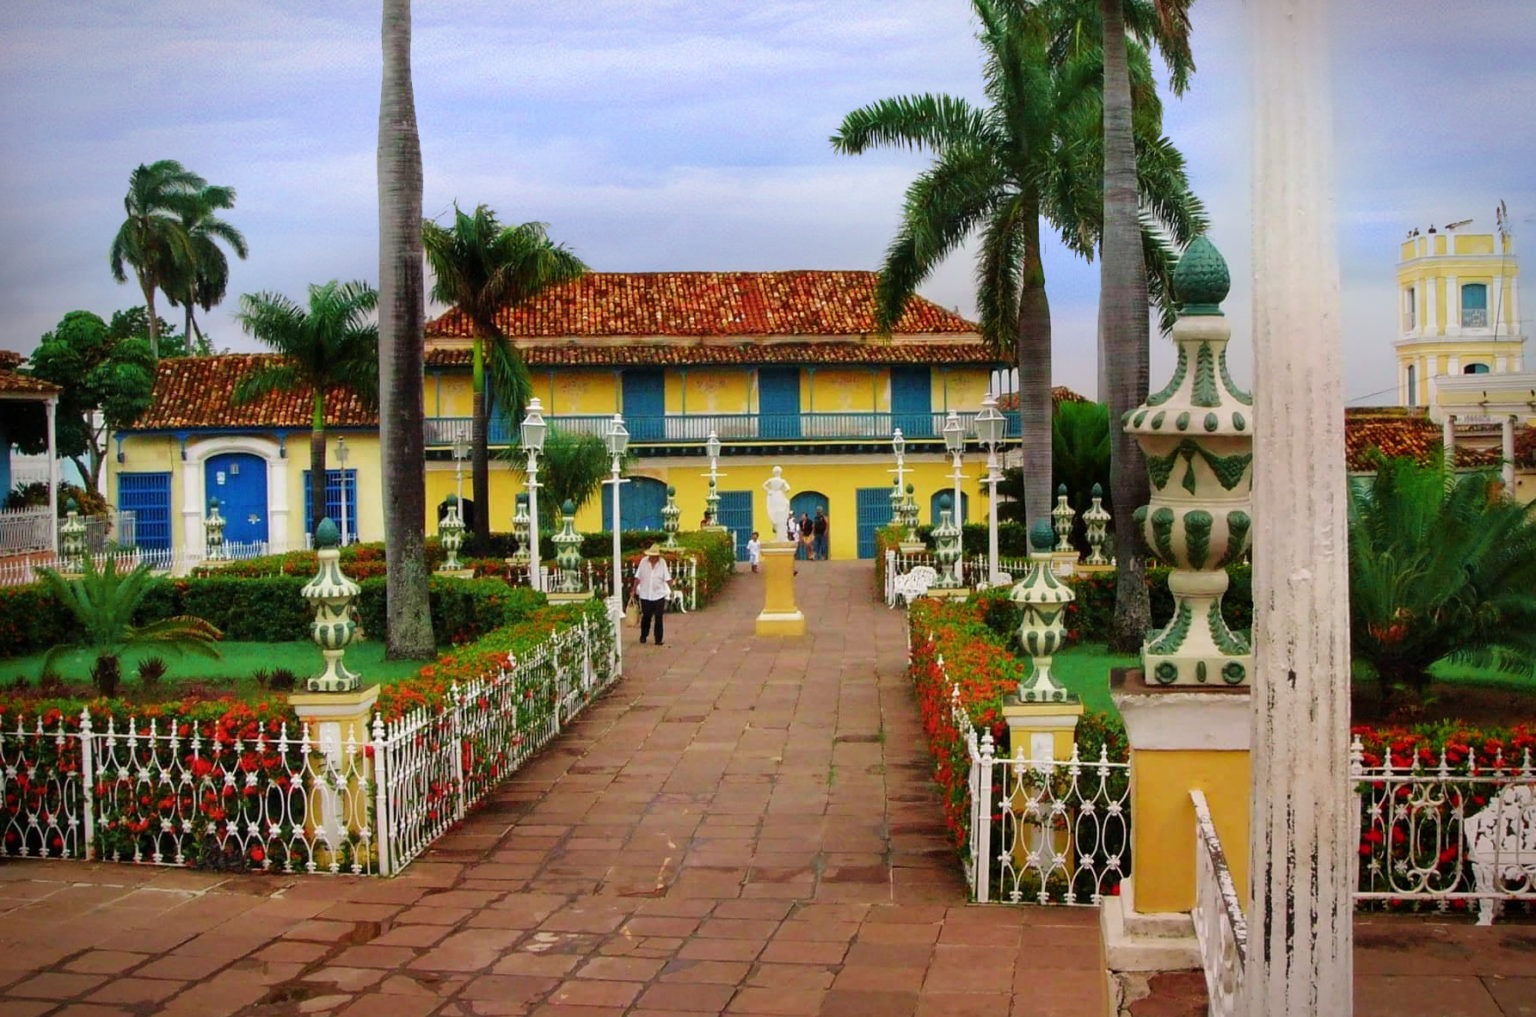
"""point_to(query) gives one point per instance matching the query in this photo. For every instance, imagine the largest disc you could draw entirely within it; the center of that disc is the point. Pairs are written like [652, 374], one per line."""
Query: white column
[1448, 438]
[1452, 305]
[1432, 306]
[1507, 454]
[1304, 829]
[51, 410]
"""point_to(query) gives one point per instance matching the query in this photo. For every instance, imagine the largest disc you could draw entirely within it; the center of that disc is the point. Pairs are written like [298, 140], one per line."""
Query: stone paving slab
[742, 826]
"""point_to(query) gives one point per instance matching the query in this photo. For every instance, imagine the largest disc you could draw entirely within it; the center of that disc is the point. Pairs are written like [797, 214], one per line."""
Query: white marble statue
[778, 504]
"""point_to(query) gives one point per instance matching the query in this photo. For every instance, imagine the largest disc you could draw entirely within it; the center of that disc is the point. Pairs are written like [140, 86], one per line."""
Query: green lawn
[1085, 670]
[232, 669]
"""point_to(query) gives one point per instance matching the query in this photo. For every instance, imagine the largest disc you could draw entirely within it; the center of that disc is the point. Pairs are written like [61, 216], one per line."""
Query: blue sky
[680, 135]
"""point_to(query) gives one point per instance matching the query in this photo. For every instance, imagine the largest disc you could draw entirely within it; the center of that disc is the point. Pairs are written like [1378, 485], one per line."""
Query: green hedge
[463, 610]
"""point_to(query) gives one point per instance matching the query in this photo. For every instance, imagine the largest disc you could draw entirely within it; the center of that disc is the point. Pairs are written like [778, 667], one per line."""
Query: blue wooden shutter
[912, 401]
[645, 404]
[333, 482]
[736, 516]
[873, 508]
[778, 402]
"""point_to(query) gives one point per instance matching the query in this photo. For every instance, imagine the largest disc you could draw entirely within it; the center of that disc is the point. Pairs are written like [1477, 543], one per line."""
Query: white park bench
[1501, 844]
[911, 585]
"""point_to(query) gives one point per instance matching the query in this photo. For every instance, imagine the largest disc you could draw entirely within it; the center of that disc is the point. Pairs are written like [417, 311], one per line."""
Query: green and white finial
[1201, 279]
[327, 534]
[1041, 537]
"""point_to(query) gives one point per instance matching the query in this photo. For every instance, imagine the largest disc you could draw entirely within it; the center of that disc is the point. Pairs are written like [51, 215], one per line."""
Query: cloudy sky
[684, 135]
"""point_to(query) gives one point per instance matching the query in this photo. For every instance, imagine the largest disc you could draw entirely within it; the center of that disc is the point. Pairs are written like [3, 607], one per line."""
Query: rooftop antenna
[1501, 219]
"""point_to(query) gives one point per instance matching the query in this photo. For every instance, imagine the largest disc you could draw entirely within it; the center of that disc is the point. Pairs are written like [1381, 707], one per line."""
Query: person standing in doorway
[652, 587]
[754, 551]
[806, 550]
[819, 530]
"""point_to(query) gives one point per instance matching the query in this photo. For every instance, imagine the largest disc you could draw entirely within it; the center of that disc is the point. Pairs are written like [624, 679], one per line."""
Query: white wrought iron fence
[241, 792]
[26, 530]
[1047, 831]
[1221, 928]
[1442, 830]
[21, 571]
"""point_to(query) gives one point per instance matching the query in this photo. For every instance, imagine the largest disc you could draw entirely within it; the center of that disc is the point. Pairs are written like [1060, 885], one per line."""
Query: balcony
[732, 428]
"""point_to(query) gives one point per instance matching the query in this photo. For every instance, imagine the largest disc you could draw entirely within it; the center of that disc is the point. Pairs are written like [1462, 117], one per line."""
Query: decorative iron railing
[1221, 929]
[1446, 830]
[975, 570]
[23, 530]
[258, 794]
[695, 428]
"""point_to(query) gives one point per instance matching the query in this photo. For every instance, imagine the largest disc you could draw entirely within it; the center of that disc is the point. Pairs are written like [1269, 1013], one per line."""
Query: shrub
[151, 670]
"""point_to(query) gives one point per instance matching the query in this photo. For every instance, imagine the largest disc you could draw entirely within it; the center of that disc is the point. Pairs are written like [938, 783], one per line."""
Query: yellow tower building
[1458, 318]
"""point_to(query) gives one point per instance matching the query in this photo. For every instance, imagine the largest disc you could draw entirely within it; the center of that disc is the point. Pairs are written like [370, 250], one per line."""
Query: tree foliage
[1441, 567]
[107, 381]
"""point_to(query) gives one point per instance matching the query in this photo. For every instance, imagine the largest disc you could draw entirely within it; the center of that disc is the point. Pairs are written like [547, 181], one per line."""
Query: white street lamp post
[533, 429]
[618, 441]
[712, 503]
[989, 431]
[954, 444]
[341, 458]
[460, 451]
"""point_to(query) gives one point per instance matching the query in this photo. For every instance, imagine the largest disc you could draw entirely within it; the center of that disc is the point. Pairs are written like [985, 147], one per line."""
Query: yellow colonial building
[786, 368]
[1460, 344]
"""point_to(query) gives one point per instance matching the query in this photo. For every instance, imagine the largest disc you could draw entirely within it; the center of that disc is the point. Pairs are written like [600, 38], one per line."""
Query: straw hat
[654, 551]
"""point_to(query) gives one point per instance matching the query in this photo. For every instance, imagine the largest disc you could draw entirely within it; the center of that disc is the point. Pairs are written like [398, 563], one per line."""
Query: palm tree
[1123, 327]
[402, 336]
[103, 602]
[484, 268]
[1440, 568]
[153, 240]
[997, 169]
[331, 344]
[204, 278]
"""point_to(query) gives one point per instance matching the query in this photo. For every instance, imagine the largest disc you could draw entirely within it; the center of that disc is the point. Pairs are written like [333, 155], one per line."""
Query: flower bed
[230, 784]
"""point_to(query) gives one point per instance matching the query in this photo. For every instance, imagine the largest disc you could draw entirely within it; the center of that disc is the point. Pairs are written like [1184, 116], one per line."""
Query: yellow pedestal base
[455, 573]
[1183, 740]
[569, 598]
[1040, 731]
[780, 616]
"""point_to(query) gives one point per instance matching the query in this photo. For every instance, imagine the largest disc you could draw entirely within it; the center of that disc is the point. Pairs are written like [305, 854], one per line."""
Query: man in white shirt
[652, 587]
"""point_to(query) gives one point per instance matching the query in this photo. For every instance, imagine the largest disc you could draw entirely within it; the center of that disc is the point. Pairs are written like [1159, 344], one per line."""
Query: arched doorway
[641, 500]
[239, 481]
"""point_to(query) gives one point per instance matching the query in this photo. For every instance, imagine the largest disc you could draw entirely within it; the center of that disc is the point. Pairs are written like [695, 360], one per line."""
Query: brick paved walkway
[742, 826]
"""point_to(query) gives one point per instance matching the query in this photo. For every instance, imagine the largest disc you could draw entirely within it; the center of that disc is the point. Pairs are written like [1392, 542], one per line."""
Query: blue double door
[239, 481]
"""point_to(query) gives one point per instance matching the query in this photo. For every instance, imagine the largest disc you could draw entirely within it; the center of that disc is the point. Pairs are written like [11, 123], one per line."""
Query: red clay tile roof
[14, 384]
[1009, 401]
[744, 305]
[197, 392]
[1395, 432]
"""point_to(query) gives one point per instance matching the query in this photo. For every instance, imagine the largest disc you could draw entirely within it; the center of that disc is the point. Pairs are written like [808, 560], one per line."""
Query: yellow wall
[714, 390]
[1164, 831]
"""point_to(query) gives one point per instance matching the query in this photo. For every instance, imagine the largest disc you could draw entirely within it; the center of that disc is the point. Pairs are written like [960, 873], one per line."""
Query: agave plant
[1441, 567]
[103, 601]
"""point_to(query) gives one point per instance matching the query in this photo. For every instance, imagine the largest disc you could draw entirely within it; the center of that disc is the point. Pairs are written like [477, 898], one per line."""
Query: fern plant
[103, 601]
[1441, 567]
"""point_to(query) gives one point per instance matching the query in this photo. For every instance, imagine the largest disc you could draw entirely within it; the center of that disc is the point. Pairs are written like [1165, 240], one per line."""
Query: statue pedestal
[455, 573]
[337, 724]
[780, 616]
[574, 597]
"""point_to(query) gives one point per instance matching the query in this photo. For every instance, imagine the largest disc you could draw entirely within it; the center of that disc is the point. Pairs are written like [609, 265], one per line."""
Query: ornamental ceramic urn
[1096, 521]
[1197, 436]
[568, 550]
[520, 529]
[213, 532]
[72, 537]
[1043, 599]
[671, 515]
[450, 533]
[332, 594]
[946, 548]
[1062, 518]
